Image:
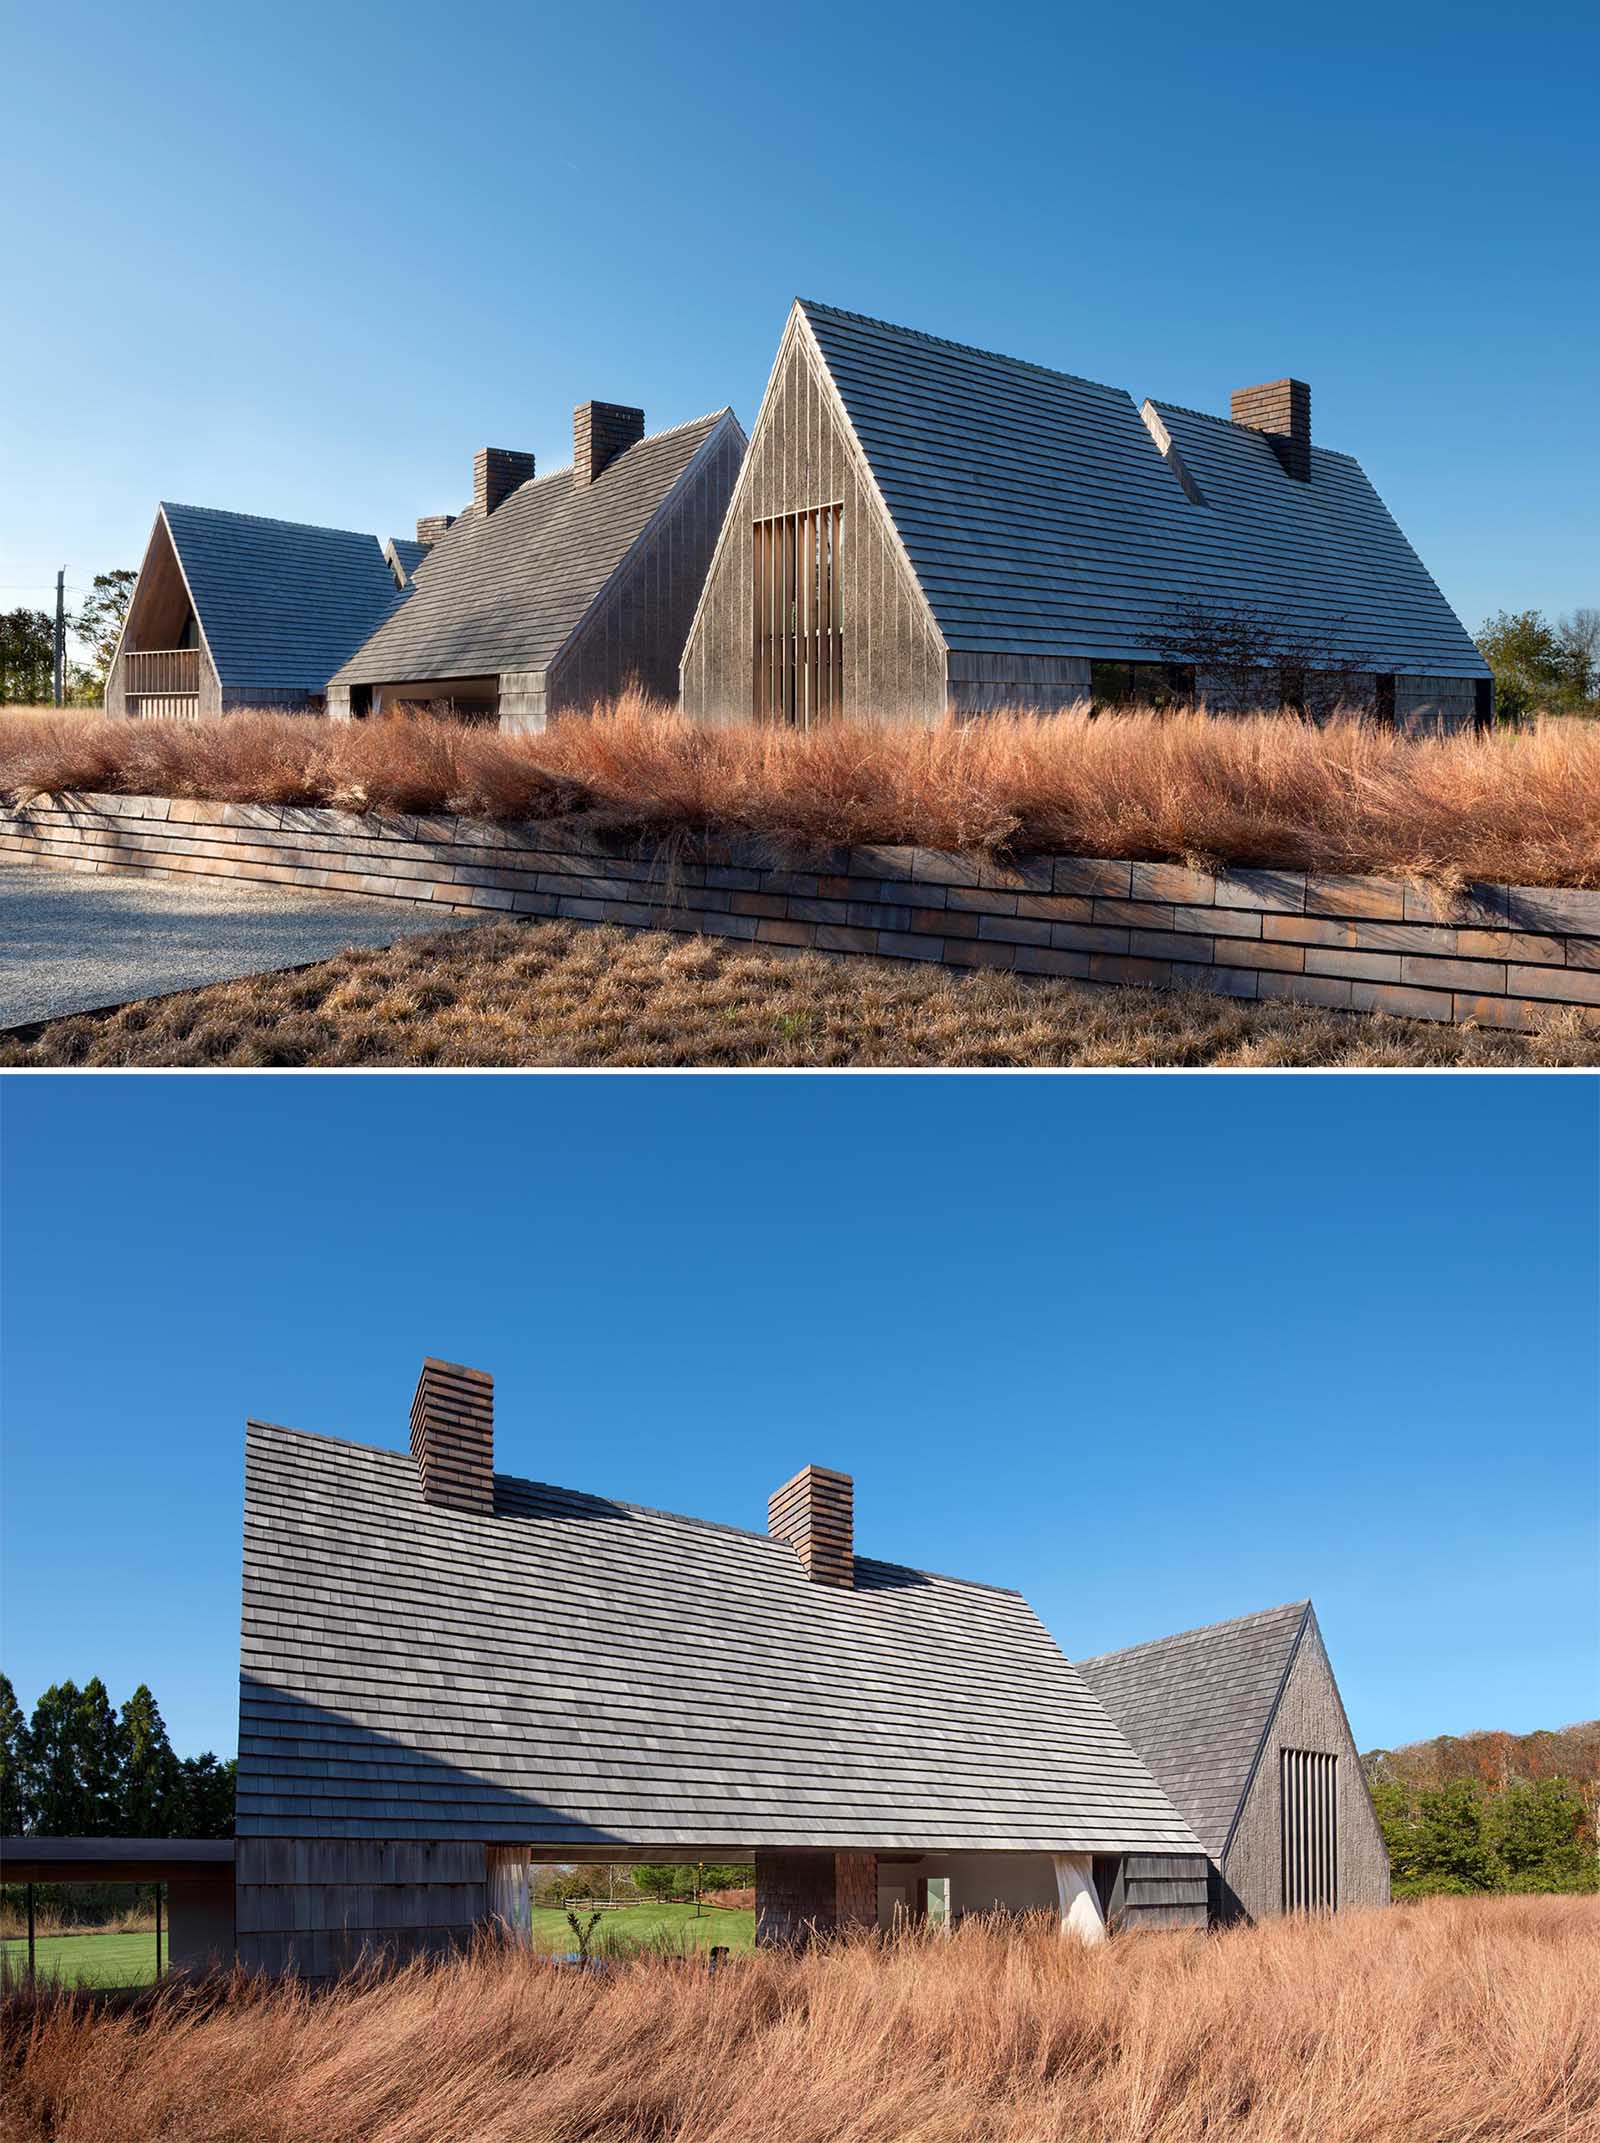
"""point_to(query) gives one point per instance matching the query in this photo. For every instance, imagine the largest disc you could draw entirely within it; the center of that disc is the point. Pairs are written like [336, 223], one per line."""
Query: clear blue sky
[1156, 1351]
[303, 260]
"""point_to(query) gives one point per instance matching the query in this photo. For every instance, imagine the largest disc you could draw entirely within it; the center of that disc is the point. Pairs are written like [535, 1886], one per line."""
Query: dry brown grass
[569, 994]
[1523, 808]
[1449, 2021]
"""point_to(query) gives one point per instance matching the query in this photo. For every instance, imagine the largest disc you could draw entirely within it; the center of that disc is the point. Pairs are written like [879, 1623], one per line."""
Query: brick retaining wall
[1505, 956]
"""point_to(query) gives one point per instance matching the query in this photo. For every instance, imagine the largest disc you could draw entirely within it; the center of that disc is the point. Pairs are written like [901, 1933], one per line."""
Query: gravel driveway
[73, 942]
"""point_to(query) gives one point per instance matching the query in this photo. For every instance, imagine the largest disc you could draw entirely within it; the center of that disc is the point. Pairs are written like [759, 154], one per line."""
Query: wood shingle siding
[1211, 1711]
[576, 1672]
[802, 458]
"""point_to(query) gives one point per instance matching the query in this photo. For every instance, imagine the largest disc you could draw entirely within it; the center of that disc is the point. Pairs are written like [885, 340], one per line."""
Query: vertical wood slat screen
[798, 642]
[1310, 1831]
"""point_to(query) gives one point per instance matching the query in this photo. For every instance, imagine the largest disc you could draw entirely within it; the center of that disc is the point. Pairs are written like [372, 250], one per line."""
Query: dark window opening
[1292, 688]
[1483, 703]
[1310, 1784]
[1142, 684]
[1383, 701]
[798, 672]
[360, 701]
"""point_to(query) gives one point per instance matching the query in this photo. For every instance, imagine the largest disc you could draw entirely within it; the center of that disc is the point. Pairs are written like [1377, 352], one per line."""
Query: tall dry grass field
[1348, 796]
[1451, 2021]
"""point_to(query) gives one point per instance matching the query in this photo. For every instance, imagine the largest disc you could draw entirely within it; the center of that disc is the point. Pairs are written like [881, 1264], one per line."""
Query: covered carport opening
[193, 1879]
[801, 1890]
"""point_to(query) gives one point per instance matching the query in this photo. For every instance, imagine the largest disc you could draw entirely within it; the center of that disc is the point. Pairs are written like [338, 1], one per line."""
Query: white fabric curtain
[1080, 1904]
[511, 1894]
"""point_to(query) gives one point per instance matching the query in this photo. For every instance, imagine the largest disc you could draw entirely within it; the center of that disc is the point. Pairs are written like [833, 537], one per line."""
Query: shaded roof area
[506, 592]
[281, 603]
[406, 552]
[1041, 518]
[1196, 1707]
[110, 1860]
[574, 1672]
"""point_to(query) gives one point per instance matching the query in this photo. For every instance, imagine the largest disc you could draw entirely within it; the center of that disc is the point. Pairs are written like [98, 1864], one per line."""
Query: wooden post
[30, 1934]
[158, 1930]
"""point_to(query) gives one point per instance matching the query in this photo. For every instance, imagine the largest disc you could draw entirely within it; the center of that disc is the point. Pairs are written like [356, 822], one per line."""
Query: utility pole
[61, 633]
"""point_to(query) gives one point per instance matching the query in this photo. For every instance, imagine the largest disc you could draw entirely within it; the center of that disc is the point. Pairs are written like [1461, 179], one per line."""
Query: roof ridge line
[643, 1510]
[969, 349]
[269, 520]
[1203, 1629]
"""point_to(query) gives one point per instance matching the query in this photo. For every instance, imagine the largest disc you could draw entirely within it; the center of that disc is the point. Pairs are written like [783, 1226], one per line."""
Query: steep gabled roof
[1040, 517]
[1197, 1707]
[573, 1671]
[507, 592]
[281, 603]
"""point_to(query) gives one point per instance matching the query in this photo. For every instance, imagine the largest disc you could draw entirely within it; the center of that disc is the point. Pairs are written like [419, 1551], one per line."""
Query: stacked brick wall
[1505, 956]
[452, 1436]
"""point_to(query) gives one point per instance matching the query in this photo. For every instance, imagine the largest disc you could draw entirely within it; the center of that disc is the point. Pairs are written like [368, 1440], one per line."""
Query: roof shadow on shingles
[271, 1713]
[678, 1679]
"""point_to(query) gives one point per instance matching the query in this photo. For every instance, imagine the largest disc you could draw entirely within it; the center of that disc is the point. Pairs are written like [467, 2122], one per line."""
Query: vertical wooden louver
[798, 635]
[452, 1436]
[1310, 1831]
[815, 1514]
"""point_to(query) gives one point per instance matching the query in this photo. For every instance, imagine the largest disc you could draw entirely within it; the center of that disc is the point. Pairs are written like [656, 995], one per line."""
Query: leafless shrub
[1248, 655]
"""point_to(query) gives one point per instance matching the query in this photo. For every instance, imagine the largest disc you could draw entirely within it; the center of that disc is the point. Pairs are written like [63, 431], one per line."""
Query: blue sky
[1156, 1351]
[303, 260]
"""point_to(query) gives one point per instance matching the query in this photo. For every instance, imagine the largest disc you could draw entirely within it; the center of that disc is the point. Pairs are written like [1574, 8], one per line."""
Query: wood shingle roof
[1197, 1707]
[281, 603]
[505, 593]
[573, 1672]
[1040, 517]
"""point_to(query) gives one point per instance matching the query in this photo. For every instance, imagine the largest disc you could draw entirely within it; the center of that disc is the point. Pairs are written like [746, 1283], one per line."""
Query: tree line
[1542, 665]
[1491, 1811]
[28, 645]
[80, 1768]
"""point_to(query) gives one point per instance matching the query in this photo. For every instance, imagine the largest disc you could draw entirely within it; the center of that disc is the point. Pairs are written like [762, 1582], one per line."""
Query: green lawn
[677, 1924]
[88, 1960]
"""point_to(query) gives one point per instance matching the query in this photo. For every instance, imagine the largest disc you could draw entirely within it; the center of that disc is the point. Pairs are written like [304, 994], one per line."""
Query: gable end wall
[801, 456]
[1309, 1716]
[636, 631]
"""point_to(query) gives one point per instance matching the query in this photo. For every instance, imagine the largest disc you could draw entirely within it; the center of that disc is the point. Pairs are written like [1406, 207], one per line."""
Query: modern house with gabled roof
[1242, 1725]
[233, 610]
[560, 590]
[921, 526]
[449, 1675]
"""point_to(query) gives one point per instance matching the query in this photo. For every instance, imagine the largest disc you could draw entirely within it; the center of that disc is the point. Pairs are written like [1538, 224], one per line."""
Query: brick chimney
[496, 473]
[1281, 409]
[600, 432]
[432, 526]
[452, 1436]
[815, 1514]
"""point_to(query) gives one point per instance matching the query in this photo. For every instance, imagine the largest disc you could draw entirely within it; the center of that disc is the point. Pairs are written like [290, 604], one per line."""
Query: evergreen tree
[206, 1796]
[100, 1758]
[14, 1764]
[59, 1804]
[152, 1788]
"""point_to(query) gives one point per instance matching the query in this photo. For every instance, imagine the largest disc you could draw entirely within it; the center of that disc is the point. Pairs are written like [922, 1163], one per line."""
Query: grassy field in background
[89, 1960]
[572, 994]
[666, 1923]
